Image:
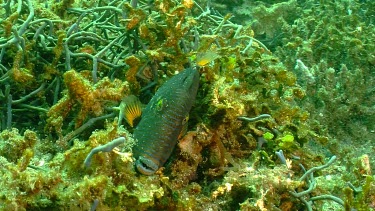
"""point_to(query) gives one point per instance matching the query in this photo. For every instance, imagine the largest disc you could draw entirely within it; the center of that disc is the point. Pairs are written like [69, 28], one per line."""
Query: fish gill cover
[283, 118]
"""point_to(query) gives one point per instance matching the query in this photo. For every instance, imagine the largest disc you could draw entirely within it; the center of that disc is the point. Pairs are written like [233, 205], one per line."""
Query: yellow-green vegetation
[283, 88]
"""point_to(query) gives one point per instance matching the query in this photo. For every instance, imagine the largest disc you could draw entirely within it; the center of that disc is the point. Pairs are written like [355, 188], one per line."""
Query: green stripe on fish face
[163, 120]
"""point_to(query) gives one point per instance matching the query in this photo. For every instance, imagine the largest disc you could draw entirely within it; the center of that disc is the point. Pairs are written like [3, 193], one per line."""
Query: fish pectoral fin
[184, 127]
[132, 109]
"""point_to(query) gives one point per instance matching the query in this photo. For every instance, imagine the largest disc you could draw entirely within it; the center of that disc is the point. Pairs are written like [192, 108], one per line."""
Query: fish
[205, 58]
[163, 120]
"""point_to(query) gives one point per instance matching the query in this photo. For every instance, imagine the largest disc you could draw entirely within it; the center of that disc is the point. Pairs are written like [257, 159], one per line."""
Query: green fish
[163, 120]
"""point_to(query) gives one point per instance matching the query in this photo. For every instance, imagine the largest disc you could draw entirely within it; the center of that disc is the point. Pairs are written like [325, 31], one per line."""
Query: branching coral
[85, 98]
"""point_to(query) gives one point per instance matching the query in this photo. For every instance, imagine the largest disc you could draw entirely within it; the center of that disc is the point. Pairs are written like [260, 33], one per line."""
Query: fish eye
[185, 120]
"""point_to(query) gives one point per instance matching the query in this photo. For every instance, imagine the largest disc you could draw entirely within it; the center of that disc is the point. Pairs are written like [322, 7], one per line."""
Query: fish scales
[163, 120]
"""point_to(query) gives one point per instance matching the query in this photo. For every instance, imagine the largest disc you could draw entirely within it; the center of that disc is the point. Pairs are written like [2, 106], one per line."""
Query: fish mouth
[146, 166]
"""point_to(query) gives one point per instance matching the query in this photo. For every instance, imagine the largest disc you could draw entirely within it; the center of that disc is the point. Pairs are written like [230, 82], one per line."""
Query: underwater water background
[283, 118]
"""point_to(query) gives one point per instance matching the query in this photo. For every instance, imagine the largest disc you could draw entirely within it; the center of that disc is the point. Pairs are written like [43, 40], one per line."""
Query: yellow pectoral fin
[132, 109]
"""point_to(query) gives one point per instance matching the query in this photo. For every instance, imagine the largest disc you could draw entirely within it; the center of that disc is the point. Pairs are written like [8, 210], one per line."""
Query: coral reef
[286, 93]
